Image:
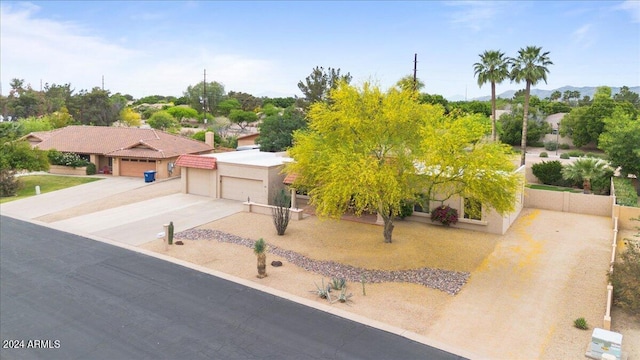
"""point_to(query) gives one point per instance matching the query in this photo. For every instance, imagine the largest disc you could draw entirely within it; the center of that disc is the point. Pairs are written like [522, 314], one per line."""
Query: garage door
[136, 167]
[199, 182]
[241, 189]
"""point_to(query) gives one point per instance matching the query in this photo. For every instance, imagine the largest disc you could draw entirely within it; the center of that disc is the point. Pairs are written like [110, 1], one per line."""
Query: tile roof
[117, 142]
[290, 178]
[195, 161]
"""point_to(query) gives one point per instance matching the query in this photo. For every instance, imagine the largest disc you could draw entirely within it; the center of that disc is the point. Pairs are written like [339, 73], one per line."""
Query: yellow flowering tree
[367, 149]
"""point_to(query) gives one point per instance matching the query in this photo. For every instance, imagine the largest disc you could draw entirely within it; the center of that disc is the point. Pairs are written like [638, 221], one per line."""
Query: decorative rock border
[450, 282]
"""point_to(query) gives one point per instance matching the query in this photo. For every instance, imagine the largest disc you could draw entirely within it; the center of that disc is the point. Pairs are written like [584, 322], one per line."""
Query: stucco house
[238, 175]
[248, 140]
[121, 151]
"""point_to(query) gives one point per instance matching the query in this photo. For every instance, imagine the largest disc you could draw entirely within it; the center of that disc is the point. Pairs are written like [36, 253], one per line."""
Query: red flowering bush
[445, 214]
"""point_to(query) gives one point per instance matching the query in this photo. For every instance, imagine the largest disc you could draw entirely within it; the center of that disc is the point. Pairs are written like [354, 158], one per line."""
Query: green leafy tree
[625, 94]
[130, 117]
[33, 124]
[279, 102]
[555, 107]
[368, 149]
[530, 66]
[182, 112]
[493, 68]
[247, 102]
[226, 106]
[163, 120]
[317, 85]
[434, 99]
[197, 100]
[16, 156]
[97, 107]
[585, 170]
[585, 124]
[243, 118]
[621, 142]
[555, 96]
[56, 97]
[276, 131]
[511, 129]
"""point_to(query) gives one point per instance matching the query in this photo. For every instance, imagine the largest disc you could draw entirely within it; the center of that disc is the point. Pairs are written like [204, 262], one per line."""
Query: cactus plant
[171, 233]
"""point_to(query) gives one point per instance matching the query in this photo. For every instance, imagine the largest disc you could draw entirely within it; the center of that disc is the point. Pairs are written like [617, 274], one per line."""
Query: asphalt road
[83, 299]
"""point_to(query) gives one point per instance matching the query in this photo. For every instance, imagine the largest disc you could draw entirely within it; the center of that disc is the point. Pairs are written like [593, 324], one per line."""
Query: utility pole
[102, 82]
[205, 108]
[415, 72]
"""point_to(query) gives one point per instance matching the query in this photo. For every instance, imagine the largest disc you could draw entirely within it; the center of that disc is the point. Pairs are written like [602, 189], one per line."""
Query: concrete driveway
[122, 209]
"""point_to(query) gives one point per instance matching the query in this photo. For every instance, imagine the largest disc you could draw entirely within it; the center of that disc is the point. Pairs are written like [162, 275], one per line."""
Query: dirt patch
[525, 289]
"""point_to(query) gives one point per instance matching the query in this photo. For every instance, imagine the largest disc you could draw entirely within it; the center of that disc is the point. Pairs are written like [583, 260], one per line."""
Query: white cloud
[37, 49]
[633, 7]
[582, 36]
[476, 15]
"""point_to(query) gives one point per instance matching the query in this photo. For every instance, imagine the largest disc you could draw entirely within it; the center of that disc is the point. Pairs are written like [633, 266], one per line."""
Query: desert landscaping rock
[276, 263]
[450, 282]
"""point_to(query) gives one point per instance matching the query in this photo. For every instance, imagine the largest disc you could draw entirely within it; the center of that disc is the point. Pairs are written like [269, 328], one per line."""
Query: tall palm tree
[493, 68]
[530, 66]
[585, 169]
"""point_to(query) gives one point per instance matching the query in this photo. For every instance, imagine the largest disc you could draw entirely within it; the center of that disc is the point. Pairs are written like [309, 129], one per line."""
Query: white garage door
[241, 189]
[199, 182]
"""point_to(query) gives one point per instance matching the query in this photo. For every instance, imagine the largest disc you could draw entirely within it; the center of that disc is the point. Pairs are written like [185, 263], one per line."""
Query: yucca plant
[260, 248]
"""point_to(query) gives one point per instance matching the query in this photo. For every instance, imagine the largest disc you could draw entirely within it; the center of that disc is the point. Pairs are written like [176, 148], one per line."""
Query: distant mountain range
[584, 91]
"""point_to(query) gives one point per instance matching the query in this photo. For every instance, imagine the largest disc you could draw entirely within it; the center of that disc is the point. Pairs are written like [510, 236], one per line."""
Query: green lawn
[553, 188]
[47, 183]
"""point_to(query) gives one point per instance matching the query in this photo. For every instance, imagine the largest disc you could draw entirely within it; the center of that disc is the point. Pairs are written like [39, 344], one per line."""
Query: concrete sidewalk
[133, 212]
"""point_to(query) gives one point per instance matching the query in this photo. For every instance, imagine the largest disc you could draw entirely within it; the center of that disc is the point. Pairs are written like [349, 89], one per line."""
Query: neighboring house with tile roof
[121, 151]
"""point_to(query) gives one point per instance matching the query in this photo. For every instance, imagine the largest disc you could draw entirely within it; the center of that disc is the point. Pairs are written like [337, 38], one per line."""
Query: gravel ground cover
[450, 282]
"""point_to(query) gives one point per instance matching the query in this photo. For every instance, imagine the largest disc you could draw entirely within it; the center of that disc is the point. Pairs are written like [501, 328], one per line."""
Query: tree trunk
[586, 186]
[523, 143]
[493, 111]
[262, 265]
[388, 226]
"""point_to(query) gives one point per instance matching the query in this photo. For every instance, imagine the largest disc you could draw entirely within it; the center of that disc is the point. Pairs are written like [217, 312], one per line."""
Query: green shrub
[537, 144]
[575, 153]
[581, 323]
[601, 185]
[626, 278]
[91, 169]
[9, 185]
[551, 146]
[548, 172]
[406, 209]
[596, 156]
[544, 155]
[564, 146]
[625, 193]
[200, 136]
[564, 156]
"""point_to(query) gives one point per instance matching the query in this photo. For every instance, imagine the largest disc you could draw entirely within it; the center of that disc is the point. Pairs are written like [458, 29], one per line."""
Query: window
[422, 204]
[472, 209]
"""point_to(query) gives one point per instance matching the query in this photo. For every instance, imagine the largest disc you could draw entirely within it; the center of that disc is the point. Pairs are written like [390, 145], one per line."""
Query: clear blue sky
[264, 48]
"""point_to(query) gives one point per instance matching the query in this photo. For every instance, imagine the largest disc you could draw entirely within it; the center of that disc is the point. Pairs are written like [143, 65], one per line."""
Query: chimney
[208, 139]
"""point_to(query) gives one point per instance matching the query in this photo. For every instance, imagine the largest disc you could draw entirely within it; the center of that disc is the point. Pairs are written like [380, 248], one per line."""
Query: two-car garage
[242, 175]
